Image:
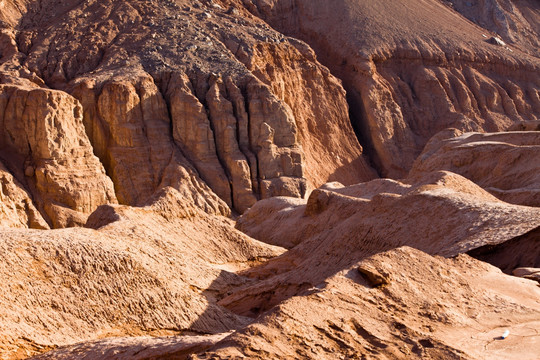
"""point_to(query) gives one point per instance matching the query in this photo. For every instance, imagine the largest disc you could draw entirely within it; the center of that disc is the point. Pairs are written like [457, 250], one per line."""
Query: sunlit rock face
[269, 179]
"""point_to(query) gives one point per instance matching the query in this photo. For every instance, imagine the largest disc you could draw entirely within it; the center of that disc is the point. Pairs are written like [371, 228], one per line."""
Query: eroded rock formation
[44, 139]
[148, 127]
[410, 74]
[505, 164]
[175, 87]
[16, 207]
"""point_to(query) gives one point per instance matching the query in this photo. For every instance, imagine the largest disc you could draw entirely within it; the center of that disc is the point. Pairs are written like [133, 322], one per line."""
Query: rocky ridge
[152, 110]
[511, 176]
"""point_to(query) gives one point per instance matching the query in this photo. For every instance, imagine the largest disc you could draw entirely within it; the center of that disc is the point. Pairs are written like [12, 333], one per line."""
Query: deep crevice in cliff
[357, 116]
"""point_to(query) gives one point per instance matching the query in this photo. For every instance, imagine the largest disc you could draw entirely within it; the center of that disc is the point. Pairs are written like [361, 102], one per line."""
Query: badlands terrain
[270, 179]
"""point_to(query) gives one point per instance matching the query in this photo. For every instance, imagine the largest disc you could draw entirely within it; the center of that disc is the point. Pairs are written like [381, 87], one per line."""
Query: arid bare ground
[269, 179]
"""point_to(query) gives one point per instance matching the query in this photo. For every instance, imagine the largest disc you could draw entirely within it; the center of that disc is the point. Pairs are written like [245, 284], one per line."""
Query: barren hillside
[269, 179]
[414, 68]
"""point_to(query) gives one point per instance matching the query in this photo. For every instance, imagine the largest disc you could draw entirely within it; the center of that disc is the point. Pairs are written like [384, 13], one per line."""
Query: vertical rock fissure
[97, 121]
[358, 119]
[238, 100]
[144, 125]
[103, 159]
[218, 154]
[165, 90]
[256, 172]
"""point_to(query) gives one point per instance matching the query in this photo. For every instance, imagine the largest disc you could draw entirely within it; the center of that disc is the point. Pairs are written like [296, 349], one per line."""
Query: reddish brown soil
[199, 179]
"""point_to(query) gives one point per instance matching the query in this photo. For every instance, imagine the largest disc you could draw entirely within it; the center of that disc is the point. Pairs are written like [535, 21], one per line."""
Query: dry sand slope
[185, 179]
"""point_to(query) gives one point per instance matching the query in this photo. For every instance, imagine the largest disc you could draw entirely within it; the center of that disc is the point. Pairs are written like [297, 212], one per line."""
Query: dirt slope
[514, 21]
[412, 69]
[428, 308]
[154, 270]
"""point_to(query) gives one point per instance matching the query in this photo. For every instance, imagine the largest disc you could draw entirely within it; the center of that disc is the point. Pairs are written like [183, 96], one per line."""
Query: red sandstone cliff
[186, 86]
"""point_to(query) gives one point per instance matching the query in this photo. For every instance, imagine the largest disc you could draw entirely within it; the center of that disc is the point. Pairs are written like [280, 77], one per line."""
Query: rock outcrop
[237, 108]
[410, 74]
[44, 138]
[527, 273]
[506, 164]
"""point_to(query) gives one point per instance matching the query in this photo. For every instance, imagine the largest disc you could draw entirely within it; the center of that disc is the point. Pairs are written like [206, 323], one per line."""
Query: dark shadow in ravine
[522, 251]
